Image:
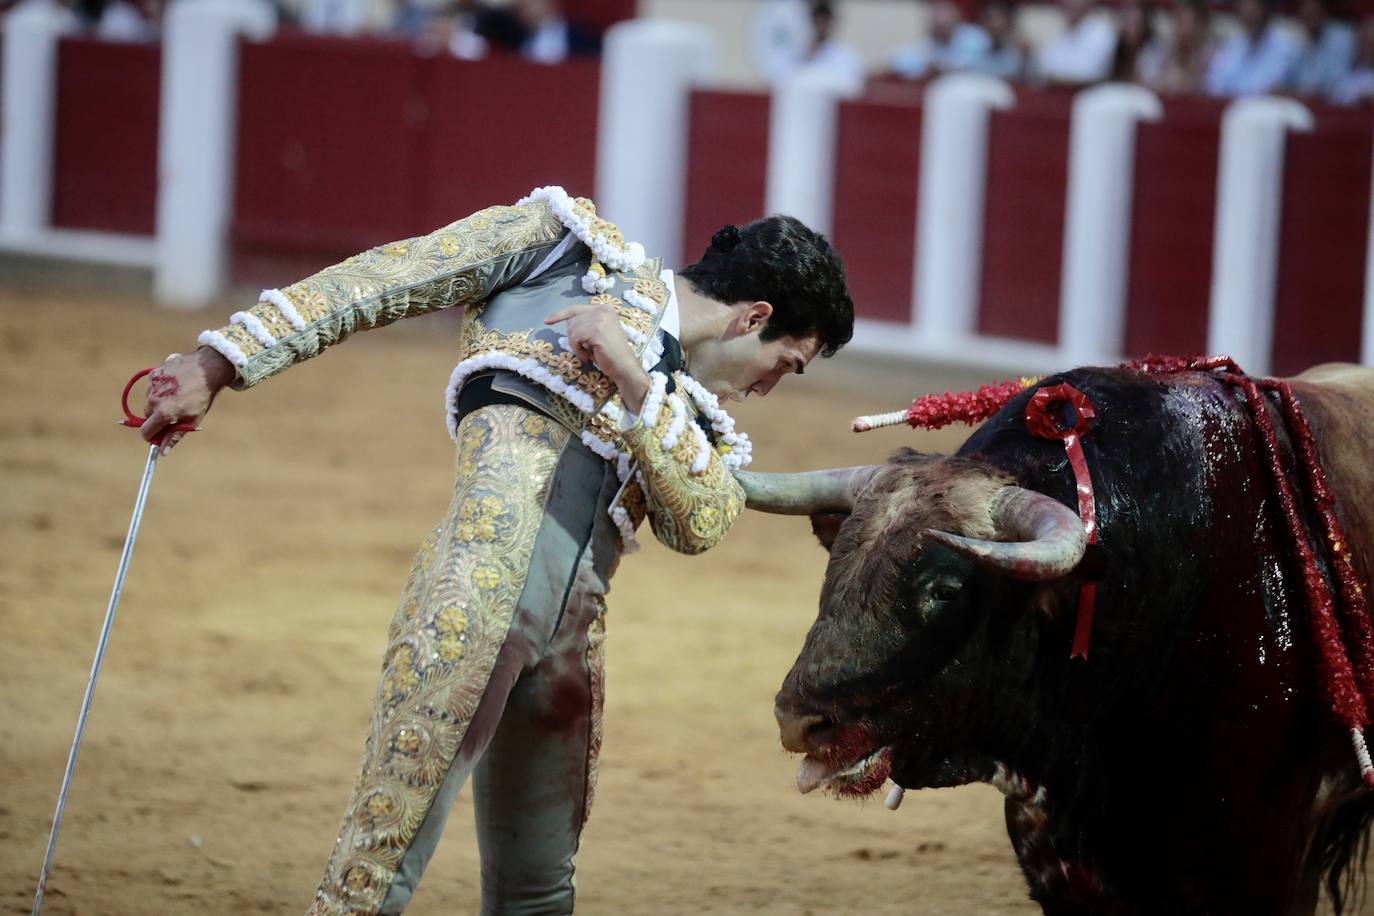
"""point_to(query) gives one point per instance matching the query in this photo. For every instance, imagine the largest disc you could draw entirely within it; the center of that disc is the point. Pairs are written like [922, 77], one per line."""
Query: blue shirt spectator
[950, 45]
[1003, 55]
[1357, 86]
[1257, 59]
[1330, 51]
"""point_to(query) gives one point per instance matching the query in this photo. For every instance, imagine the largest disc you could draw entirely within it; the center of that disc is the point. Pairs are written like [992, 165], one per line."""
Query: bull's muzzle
[799, 730]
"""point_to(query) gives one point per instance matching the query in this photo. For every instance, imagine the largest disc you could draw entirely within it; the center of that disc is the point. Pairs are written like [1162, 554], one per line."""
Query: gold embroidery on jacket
[596, 669]
[689, 511]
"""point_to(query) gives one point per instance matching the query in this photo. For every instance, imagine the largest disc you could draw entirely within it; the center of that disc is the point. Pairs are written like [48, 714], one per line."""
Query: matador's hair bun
[726, 238]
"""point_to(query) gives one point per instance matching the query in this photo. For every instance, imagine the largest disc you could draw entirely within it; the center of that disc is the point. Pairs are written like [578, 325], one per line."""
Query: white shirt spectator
[466, 44]
[1245, 67]
[967, 44]
[549, 43]
[1081, 54]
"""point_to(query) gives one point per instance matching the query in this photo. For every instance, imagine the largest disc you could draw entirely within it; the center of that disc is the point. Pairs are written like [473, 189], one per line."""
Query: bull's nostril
[798, 730]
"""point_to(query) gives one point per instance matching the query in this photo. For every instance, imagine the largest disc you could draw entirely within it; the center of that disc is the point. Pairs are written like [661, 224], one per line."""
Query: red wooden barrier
[877, 158]
[1023, 229]
[105, 141]
[599, 14]
[727, 158]
[1172, 217]
[1324, 229]
[499, 128]
[380, 143]
[326, 165]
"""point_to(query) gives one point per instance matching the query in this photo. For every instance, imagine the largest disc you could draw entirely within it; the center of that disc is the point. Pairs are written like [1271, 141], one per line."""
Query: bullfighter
[586, 397]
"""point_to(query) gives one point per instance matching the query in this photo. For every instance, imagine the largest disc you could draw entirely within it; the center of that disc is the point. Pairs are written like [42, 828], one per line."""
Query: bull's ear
[826, 527]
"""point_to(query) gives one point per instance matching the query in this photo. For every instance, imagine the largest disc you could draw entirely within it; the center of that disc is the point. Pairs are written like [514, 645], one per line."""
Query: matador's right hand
[181, 391]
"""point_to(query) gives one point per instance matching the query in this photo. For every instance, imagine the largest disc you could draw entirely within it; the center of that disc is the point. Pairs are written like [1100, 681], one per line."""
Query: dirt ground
[230, 712]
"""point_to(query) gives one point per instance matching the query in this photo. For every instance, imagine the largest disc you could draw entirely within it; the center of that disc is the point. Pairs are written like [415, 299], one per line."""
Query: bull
[1189, 764]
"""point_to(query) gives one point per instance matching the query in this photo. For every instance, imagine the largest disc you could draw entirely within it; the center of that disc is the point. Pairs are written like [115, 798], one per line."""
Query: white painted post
[196, 142]
[1245, 250]
[648, 70]
[27, 116]
[1097, 230]
[801, 146]
[1367, 331]
[949, 234]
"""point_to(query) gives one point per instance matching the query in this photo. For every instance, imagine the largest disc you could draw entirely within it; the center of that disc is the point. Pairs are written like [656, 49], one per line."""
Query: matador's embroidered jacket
[511, 267]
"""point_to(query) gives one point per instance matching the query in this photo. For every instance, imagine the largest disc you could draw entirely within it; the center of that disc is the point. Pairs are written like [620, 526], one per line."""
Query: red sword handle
[134, 421]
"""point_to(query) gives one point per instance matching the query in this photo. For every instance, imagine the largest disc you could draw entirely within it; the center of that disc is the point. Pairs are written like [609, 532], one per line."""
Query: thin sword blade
[95, 671]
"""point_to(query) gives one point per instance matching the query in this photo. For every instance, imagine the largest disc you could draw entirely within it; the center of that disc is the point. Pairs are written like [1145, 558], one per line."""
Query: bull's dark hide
[1191, 764]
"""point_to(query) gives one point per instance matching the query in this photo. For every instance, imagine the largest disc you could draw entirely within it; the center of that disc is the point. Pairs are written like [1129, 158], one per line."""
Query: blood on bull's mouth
[856, 778]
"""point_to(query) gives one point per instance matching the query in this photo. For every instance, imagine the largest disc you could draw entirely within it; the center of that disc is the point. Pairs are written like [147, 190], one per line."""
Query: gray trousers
[493, 669]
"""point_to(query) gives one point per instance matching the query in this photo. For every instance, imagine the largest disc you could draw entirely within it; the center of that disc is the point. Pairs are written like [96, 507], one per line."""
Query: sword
[132, 420]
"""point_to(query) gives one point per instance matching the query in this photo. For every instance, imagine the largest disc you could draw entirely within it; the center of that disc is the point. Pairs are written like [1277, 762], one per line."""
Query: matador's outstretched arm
[460, 264]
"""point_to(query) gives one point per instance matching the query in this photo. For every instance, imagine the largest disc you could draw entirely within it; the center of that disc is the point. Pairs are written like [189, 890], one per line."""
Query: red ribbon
[1065, 413]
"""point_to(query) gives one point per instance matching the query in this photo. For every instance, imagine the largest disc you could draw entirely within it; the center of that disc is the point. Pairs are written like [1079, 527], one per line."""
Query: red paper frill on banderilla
[934, 411]
[1340, 626]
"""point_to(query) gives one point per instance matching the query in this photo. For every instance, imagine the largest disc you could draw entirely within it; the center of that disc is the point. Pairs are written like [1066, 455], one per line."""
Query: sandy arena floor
[230, 712]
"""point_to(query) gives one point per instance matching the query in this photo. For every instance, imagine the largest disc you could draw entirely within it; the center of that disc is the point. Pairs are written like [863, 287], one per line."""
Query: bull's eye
[943, 594]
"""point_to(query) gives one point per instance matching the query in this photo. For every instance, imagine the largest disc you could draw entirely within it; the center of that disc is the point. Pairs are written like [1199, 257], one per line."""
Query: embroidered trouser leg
[481, 607]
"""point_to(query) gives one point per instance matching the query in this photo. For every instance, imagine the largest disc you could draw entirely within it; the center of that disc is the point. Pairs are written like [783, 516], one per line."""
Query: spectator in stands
[335, 17]
[1255, 60]
[1082, 53]
[413, 17]
[828, 54]
[1139, 52]
[450, 29]
[1329, 53]
[1004, 55]
[950, 44]
[1182, 64]
[549, 37]
[1357, 86]
[127, 20]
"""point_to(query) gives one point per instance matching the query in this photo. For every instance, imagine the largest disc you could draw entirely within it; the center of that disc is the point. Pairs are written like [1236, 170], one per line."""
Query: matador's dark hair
[779, 260]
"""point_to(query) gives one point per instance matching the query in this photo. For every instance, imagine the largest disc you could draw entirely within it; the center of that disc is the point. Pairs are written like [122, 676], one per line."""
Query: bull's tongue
[811, 773]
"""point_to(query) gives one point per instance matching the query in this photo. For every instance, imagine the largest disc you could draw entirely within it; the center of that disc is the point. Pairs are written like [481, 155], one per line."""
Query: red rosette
[1056, 411]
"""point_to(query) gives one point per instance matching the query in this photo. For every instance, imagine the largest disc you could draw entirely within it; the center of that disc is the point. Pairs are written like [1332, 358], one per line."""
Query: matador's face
[743, 363]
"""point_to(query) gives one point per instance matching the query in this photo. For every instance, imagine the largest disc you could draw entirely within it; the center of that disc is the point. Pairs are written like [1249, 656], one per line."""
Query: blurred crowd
[1171, 46]
[1174, 47]
[538, 30]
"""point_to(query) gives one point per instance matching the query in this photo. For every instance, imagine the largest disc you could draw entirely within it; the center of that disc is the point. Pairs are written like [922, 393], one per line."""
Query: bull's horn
[1044, 538]
[833, 490]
